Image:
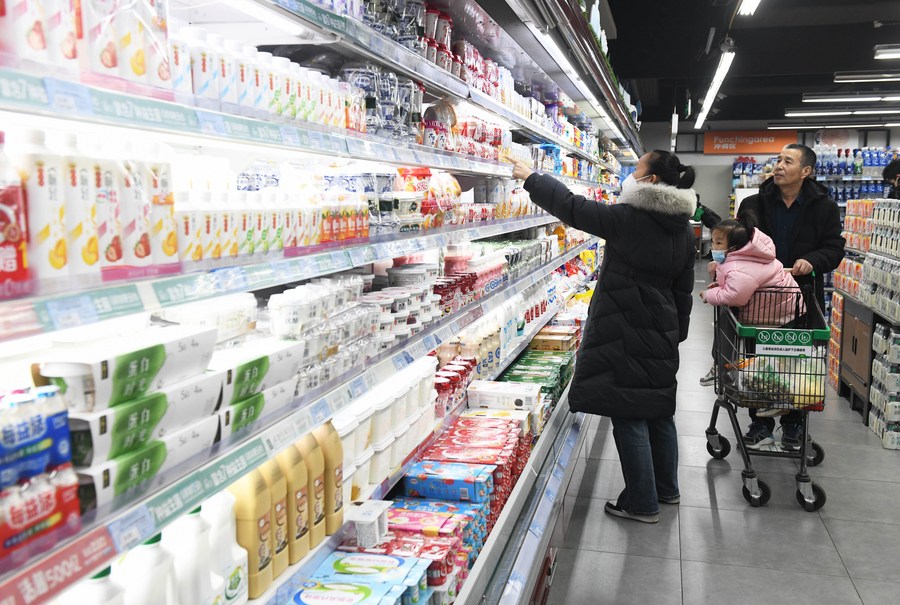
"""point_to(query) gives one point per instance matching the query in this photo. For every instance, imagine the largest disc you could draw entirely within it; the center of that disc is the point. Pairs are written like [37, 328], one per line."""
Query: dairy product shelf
[81, 303]
[136, 516]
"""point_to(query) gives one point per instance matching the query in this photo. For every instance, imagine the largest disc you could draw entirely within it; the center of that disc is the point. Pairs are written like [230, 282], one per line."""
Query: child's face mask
[719, 255]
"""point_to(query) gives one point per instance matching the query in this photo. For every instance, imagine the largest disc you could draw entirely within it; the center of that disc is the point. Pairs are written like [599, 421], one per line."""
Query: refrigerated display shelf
[528, 127]
[283, 590]
[187, 485]
[49, 96]
[80, 303]
[574, 182]
[504, 572]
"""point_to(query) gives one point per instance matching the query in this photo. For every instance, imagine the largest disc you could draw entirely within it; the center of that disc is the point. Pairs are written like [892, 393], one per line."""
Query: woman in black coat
[639, 313]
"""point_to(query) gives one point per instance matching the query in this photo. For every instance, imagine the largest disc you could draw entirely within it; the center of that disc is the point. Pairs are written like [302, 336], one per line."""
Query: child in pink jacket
[749, 264]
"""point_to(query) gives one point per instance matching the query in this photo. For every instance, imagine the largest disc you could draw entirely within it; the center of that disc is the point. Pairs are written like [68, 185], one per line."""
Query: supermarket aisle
[714, 548]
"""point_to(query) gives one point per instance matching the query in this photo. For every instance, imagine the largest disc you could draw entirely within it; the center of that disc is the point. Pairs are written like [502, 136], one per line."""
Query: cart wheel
[816, 455]
[816, 504]
[722, 452]
[765, 494]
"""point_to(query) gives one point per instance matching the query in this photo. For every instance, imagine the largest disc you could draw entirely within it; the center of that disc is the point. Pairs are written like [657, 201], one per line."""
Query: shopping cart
[775, 359]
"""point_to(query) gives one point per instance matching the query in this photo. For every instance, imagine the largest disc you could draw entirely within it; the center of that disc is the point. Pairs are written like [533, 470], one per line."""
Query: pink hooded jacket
[747, 270]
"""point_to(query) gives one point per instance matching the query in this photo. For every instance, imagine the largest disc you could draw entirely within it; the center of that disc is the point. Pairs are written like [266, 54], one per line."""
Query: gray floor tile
[722, 489]
[873, 463]
[692, 452]
[602, 480]
[624, 580]
[860, 500]
[592, 529]
[869, 550]
[842, 432]
[778, 541]
[711, 584]
[695, 423]
[878, 593]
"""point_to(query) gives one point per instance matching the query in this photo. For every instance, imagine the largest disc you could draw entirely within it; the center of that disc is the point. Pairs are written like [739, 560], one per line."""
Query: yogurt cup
[360, 482]
[347, 426]
[402, 331]
[381, 459]
[401, 444]
[363, 433]
[386, 340]
[401, 318]
[398, 406]
[380, 401]
[385, 325]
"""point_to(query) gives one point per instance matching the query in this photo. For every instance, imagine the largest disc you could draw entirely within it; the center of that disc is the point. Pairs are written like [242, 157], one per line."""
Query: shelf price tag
[320, 411]
[212, 123]
[290, 136]
[132, 529]
[358, 387]
[324, 263]
[339, 261]
[361, 255]
[69, 97]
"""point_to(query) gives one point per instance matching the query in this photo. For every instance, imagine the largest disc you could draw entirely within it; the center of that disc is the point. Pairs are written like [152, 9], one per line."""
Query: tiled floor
[714, 548]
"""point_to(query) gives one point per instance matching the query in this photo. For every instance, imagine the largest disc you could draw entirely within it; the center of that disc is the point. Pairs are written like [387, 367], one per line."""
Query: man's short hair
[807, 155]
[891, 171]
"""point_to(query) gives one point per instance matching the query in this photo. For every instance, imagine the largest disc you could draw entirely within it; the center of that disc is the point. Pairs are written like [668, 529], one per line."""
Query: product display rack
[42, 97]
[284, 587]
[179, 491]
[51, 97]
[80, 304]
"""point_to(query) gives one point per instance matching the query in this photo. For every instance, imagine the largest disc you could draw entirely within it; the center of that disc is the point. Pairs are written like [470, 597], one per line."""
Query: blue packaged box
[359, 593]
[351, 567]
[450, 481]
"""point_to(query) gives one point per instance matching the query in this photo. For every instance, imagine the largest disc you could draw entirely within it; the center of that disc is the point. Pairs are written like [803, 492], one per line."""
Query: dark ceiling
[787, 48]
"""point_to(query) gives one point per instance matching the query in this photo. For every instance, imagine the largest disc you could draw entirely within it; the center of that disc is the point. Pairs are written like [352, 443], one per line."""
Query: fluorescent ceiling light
[892, 99]
[800, 113]
[892, 125]
[866, 76]
[796, 127]
[674, 130]
[748, 7]
[887, 51]
[553, 48]
[875, 112]
[271, 16]
[863, 97]
[832, 126]
[725, 62]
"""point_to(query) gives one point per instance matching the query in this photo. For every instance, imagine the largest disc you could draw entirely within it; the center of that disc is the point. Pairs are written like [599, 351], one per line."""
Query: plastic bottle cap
[103, 573]
[196, 511]
[234, 46]
[154, 540]
[215, 40]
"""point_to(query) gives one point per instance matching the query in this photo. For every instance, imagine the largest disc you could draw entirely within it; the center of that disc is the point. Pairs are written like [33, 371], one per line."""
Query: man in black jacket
[805, 224]
[891, 174]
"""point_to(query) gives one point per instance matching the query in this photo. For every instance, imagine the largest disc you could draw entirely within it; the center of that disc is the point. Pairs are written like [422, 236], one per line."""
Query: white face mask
[630, 182]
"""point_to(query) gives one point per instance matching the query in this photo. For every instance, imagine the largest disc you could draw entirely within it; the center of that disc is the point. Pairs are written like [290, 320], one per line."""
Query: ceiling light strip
[748, 7]
[725, 62]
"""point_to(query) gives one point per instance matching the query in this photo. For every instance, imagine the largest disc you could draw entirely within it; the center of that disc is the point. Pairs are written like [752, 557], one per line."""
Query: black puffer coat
[641, 307]
[817, 232]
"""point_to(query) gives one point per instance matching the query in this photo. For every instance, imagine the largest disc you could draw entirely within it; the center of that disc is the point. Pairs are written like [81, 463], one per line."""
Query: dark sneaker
[759, 435]
[615, 511]
[710, 378]
[672, 500]
[790, 436]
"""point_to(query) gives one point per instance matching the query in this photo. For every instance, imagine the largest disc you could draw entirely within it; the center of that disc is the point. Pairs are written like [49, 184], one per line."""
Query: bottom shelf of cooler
[508, 566]
[285, 586]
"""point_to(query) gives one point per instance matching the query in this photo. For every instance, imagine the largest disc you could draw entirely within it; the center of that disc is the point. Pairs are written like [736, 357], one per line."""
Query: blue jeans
[648, 453]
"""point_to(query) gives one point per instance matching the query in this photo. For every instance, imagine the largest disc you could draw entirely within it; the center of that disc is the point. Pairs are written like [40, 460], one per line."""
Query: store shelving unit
[137, 517]
[505, 570]
[284, 587]
[45, 98]
[78, 303]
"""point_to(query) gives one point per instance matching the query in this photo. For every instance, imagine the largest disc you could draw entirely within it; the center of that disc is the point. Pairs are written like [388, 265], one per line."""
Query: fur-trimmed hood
[663, 199]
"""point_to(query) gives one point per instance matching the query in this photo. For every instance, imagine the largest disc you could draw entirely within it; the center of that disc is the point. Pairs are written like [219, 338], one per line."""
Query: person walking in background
[891, 176]
[638, 315]
[805, 224]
